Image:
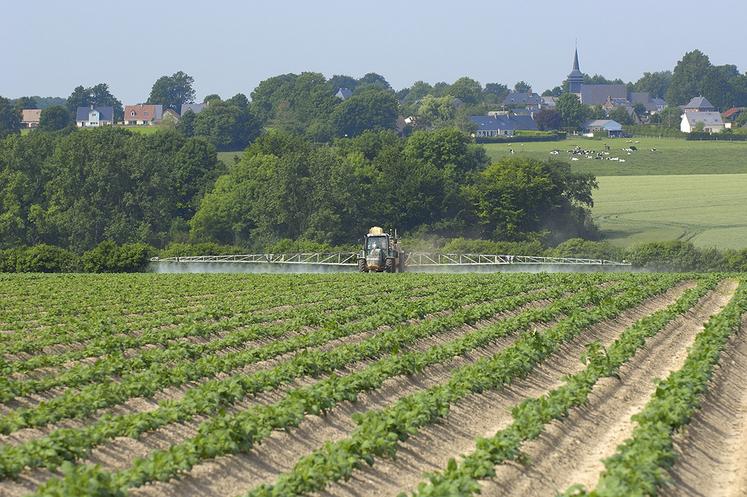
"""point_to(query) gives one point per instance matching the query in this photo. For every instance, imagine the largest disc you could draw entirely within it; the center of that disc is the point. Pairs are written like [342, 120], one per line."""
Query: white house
[710, 121]
[93, 117]
[612, 128]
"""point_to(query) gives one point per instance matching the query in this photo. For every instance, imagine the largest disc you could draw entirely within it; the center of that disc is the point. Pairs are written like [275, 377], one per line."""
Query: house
[699, 104]
[344, 93]
[196, 108]
[502, 124]
[93, 117]
[170, 116]
[599, 94]
[549, 103]
[143, 114]
[652, 105]
[523, 99]
[711, 122]
[613, 128]
[30, 118]
[730, 115]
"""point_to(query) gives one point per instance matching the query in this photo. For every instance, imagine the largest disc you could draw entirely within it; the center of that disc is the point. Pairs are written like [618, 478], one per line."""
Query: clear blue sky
[51, 46]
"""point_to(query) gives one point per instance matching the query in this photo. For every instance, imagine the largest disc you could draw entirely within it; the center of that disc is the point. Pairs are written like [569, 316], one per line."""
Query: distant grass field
[228, 157]
[672, 156]
[709, 210]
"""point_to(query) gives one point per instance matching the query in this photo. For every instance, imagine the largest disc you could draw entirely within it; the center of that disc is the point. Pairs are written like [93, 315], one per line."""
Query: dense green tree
[98, 96]
[467, 90]
[375, 80]
[173, 91]
[25, 103]
[555, 92]
[368, 109]
[655, 83]
[239, 100]
[10, 118]
[436, 112]
[55, 118]
[80, 97]
[571, 110]
[515, 197]
[522, 87]
[213, 97]
[227, 126]
[497, 90]
[417, 91]
[548, 119]
[688, 77]
[621, 115]
[445, 147]
[186, 124]
[342, 81]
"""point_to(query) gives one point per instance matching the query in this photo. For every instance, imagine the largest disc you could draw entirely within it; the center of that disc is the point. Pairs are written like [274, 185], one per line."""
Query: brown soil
[712, 450]
[483, 414]
[573, 450]
[236, 474]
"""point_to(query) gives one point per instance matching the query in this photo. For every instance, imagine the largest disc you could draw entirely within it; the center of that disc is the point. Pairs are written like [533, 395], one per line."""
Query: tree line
[77, 188]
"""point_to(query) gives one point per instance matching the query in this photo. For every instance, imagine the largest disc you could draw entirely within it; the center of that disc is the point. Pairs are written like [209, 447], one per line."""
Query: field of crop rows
[363, 385]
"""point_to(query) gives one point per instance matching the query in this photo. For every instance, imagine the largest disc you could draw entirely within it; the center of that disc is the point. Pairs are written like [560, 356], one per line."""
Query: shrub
[666, 256]
[107, 257]
[203, 248]
[466, 246]
[45, 259]
[586, 249]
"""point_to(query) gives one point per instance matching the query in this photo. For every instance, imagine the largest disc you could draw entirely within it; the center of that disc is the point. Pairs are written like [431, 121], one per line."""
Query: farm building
[613, 128]
[523, 99]
[699, 104]
[143, 114]
[502, 124]
[93, 117]
[711, 122]
[344, 93]
[30, 118]
[196, 108]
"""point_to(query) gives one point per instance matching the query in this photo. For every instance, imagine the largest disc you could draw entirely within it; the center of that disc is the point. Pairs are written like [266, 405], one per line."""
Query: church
[609, 95]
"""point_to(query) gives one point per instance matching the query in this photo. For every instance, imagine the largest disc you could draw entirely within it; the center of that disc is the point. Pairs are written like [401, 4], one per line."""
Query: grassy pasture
[672, 156]
[709, 210]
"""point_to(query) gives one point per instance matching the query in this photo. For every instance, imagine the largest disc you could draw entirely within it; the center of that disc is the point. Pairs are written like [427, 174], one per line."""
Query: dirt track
[712, 451]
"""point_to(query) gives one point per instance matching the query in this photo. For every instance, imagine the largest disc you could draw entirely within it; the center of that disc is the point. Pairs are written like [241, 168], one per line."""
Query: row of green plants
[639, 466]
[215, 395]
[146, 382]
[329, 312]
[99, 333]
[379, 432]
[234, 432]
[531, 417]
[236, 313]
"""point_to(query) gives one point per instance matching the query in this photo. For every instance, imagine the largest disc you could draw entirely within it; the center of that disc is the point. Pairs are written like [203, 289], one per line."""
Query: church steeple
[576, 77]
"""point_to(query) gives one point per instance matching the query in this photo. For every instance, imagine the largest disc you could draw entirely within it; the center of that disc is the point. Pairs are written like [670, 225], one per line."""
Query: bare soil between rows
[572, 450]
[712, 449]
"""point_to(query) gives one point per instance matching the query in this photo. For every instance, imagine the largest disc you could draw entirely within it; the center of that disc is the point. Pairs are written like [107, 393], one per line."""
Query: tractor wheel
[389, 266]
[362, 267]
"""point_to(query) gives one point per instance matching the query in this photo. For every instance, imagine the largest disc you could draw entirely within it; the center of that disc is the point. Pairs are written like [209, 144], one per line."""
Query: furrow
[712, 450]
[572, 451]
[483, 414]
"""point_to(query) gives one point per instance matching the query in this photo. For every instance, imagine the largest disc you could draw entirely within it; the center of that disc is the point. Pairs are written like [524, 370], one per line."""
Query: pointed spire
[575, 61]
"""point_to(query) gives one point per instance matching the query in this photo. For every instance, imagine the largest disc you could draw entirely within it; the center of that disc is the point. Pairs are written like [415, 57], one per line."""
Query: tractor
[381, 253]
